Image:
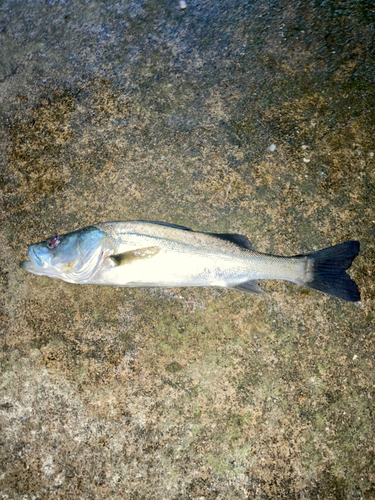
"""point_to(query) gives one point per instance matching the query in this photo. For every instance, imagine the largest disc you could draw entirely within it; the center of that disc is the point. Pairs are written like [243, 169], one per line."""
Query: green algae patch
[173, 367]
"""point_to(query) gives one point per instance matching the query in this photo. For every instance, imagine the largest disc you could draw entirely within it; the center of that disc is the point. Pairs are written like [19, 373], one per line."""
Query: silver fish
[155, 254]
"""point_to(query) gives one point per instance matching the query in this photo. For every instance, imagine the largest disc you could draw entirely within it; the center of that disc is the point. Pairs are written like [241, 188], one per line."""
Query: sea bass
[155, 254]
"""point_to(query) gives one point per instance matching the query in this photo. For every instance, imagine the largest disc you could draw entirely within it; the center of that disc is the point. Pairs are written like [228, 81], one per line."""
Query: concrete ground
[253, 117]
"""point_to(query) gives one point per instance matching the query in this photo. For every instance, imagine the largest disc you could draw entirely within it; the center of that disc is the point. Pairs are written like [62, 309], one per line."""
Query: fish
[159, 254]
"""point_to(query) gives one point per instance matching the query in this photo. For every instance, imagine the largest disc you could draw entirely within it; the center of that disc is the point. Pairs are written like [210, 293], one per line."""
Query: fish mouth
[33, 264]
[27, 265]
[37, 261]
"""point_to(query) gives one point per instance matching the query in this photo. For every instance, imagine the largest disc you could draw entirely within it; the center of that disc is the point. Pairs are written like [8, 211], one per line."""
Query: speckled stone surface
[254, 117]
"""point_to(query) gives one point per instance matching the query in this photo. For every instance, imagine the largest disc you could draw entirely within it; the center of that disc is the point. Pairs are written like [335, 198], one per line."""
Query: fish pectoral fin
[121, 259]
[247, 287]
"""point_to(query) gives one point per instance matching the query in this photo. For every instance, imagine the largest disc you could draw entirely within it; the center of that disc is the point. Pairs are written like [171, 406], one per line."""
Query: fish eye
[54, 241]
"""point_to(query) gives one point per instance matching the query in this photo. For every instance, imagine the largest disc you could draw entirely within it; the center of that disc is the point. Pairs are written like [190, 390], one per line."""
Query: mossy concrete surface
[253, 117]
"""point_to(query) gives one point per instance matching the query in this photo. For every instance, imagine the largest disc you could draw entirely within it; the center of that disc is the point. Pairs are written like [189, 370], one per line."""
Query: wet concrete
[231, 116]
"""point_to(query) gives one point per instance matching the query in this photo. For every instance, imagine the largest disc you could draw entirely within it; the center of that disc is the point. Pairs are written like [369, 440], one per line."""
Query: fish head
[73, 257]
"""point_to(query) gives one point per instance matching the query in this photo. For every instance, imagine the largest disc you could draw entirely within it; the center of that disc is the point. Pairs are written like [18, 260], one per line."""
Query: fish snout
[26, 265]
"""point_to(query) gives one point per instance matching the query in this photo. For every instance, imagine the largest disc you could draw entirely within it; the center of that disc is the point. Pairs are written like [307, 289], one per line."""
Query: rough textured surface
[141, 109]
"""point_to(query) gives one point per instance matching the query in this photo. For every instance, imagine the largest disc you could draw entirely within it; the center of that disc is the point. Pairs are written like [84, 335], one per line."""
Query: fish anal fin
[250, 286]
[133, 255]
[238, 239]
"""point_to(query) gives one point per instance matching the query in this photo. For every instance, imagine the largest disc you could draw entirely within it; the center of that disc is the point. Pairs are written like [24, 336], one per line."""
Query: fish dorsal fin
[121, 259]
[247, 287]
[167, 224]
[237, 239]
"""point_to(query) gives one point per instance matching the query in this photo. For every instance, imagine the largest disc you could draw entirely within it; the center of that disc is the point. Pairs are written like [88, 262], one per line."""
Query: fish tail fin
[327, 271]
